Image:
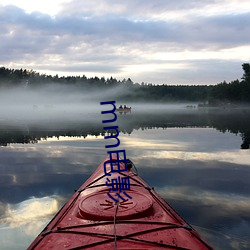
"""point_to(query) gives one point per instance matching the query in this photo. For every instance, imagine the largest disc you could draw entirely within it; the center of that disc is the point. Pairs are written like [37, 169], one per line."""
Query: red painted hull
[92, 220]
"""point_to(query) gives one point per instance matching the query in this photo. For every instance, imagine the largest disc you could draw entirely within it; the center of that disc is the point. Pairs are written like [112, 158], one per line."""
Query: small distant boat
[124, 109]
[190, 106]
[92, 220]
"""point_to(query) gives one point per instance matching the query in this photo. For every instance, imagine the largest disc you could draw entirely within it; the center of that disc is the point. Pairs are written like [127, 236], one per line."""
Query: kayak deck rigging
[144, 222]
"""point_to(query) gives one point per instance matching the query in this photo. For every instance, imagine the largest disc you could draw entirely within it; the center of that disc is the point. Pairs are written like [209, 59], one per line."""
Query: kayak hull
[93, 220]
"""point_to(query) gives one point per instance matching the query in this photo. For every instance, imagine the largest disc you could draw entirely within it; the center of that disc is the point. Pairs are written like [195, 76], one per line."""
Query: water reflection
[233, 121]
[19, 222]
[29, 210]
[193, 161]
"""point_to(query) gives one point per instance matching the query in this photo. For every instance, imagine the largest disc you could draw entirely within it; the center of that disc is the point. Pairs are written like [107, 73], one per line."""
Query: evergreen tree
[246, 69]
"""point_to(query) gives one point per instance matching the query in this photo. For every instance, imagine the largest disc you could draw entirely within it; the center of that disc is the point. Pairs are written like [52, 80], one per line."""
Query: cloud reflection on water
[202, 144]
[29, 210]
[226, 216]
[25, 220]
[204, 178]
[201, 174]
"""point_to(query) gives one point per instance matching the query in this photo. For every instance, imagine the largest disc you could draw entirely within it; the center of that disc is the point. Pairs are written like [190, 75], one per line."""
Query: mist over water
[60, 102]
[55, 102]
[52, 140]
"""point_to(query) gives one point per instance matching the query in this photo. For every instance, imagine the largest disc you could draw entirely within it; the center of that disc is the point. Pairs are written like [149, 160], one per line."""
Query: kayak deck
[91, 220]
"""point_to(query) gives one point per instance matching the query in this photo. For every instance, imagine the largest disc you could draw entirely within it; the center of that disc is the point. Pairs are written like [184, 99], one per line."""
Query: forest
[224, 93]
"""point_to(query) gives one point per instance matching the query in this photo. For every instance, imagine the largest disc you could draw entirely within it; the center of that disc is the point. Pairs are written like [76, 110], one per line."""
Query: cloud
[125, 40]
[26, 220]
[233, 204]
[115, 30]
[29, 210]
[148, 9]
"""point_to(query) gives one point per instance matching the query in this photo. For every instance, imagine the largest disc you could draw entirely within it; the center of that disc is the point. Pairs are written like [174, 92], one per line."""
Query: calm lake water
[197, 160]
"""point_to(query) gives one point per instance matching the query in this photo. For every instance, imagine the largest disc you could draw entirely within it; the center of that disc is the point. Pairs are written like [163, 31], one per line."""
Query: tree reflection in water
[233, 121]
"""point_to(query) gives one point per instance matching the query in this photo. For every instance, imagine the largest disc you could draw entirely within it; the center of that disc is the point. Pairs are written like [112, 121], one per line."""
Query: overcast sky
[157, 41]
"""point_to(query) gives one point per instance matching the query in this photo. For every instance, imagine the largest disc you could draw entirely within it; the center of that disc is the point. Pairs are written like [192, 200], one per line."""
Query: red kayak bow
[93, 220]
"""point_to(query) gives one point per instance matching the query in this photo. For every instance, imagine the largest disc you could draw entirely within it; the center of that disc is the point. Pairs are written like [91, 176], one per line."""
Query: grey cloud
[85, 68]
[134, 8]
[217, 31]
[220, 31]
[98, 40]
[209, 71]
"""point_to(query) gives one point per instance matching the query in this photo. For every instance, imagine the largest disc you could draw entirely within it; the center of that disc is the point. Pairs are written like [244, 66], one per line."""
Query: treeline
[237, 91]
[234, 92]
[236, 122]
